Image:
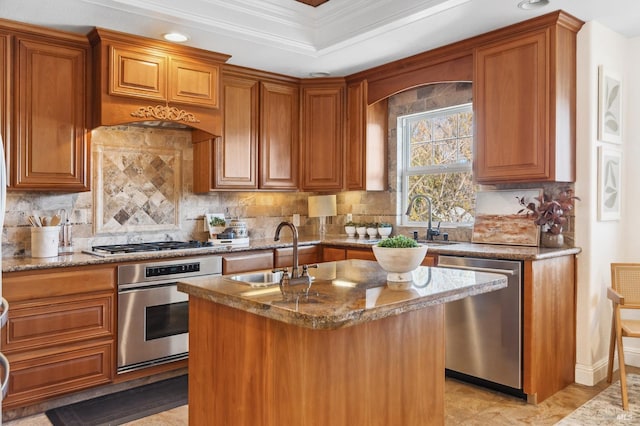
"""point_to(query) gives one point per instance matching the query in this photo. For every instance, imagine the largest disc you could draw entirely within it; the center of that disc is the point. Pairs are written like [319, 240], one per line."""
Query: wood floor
[464, 405]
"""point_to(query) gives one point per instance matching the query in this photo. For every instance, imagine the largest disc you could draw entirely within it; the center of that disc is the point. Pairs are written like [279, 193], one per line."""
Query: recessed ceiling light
[175, 37]
[319, 74]
[532, 4]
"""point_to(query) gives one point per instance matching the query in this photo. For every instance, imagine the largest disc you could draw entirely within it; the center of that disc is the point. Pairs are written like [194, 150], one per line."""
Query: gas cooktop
[146, 247]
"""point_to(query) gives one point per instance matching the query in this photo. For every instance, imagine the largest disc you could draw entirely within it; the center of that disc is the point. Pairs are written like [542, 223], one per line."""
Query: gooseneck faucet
[430, 231]
[297, 285]
[294, 231]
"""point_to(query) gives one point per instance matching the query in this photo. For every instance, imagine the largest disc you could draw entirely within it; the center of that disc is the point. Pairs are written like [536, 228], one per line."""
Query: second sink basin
[258, 279]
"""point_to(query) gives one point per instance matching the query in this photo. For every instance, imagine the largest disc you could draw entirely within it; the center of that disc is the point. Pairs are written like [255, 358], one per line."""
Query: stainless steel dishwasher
[484, 332]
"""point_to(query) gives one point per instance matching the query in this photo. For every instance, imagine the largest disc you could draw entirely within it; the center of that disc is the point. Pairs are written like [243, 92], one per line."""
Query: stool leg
[612, 346]
[623, 375]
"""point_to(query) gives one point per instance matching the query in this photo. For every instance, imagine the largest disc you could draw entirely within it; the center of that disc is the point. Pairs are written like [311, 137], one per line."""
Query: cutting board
[498, 222]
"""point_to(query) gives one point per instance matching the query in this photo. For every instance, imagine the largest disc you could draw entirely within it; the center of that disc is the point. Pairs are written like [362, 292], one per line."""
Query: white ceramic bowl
[399, 262]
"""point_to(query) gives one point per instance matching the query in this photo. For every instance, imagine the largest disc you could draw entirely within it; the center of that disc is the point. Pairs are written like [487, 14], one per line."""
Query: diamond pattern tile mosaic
[137, 189]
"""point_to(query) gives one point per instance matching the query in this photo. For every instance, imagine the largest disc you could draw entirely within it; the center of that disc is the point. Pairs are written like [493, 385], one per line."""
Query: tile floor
[465, 404]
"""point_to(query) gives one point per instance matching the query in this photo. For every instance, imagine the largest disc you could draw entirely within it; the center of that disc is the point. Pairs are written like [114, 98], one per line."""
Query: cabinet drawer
[247, 261]
[331, 254]
[61, 320]
[46, 283]
[306, 255]
[53, 373]
[360, 254]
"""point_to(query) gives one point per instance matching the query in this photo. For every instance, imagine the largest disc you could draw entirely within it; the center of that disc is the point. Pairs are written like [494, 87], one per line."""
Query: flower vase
[549, 240]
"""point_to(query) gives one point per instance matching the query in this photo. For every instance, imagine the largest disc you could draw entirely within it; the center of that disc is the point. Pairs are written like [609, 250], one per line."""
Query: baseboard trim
[590, 375]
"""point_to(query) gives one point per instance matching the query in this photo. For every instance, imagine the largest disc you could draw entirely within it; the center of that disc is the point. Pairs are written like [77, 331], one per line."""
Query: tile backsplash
[142, 190]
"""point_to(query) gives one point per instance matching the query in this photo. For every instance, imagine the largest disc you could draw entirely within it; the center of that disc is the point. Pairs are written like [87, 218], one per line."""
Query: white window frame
[404, 140]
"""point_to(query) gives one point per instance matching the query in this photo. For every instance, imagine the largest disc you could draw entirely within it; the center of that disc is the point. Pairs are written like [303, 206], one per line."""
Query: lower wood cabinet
[306, 255]
[331, 254]
[60, 335]
[39, 375]
[235, 263]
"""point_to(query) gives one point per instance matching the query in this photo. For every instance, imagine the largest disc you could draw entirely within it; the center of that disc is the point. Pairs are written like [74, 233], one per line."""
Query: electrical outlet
[296, 219]
[349, 217]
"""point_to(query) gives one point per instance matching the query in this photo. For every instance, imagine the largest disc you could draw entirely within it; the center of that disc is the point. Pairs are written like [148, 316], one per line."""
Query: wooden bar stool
[625, 294]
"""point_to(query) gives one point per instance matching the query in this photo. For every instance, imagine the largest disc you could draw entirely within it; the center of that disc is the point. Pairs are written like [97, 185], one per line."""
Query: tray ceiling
[291, 37]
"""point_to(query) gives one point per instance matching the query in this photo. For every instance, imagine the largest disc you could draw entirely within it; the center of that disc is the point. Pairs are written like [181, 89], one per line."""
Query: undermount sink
[258, 279]
[437, 242]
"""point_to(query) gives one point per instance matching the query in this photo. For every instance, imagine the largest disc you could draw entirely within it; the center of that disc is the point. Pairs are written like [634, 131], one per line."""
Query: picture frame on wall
[609, 183]
[609, 106]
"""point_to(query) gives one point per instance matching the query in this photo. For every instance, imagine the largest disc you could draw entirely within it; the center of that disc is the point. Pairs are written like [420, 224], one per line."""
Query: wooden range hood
[150, 82]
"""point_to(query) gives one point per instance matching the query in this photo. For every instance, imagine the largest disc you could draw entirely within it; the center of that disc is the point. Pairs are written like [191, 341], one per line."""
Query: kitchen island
[355, 351]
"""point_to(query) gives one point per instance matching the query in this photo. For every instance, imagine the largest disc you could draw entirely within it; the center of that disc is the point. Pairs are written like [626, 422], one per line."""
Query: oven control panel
[160, 271]
[153, 272]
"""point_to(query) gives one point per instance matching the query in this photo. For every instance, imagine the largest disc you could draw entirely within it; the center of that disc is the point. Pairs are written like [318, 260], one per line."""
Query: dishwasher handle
[479, 269]
[4, 363]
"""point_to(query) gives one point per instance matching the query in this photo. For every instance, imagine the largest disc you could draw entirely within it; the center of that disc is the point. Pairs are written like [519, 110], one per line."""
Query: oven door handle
[123, 288]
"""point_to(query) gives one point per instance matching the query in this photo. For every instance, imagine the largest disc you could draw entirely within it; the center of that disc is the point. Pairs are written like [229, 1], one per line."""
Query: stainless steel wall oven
[153, 316]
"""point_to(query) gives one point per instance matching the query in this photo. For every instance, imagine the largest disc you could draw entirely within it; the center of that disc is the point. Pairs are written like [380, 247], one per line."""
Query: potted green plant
[361, 230]
[399, 256]
[551, 214]
[350, 228]
[384, 229]
[372, 229]
[216, 224]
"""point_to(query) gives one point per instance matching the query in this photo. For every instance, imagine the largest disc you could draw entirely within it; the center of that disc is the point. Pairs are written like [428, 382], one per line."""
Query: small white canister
[240, 228]
[45, 241]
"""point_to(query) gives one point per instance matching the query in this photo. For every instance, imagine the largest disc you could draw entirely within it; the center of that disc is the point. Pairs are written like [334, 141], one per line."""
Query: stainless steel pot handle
[5, 312]
[4, 362]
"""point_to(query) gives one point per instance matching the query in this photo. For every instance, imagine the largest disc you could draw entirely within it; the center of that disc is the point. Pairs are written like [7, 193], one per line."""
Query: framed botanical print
[609, 183]
[609, 106]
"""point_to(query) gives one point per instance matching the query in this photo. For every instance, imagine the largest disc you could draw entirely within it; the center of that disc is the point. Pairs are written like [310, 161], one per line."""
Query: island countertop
[346, 293]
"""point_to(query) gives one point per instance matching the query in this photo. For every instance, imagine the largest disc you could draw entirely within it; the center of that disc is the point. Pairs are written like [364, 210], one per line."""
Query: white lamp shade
[322, 205]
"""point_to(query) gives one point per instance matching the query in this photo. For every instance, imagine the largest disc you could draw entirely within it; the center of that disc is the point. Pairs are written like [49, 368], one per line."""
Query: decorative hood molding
[153, 83]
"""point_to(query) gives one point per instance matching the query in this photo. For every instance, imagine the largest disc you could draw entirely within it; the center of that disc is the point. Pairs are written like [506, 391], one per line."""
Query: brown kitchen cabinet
[322, 139]
[307, 255]
[49, 143]
[247, 261]
[331, 254]
[524, 102]
[366, 141]
[258, 148]
[140, 80]
[60, 335]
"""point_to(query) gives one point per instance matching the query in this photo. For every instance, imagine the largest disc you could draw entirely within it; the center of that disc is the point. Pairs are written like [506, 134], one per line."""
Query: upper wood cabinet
[258, 148]
[279, 135]
[366, 161]
[139, 79]
[322, 142]
[524, 102]
[49, 141]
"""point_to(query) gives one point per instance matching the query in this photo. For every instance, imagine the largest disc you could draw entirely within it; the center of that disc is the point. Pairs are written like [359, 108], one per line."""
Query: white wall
[603, 242]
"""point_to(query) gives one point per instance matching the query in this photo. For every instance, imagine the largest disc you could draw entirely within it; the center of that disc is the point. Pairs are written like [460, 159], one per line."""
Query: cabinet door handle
[4, 363]
[5, 312]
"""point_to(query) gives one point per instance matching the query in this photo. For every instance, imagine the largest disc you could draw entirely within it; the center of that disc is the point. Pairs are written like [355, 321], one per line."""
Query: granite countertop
[15, 264]
[346, 293]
